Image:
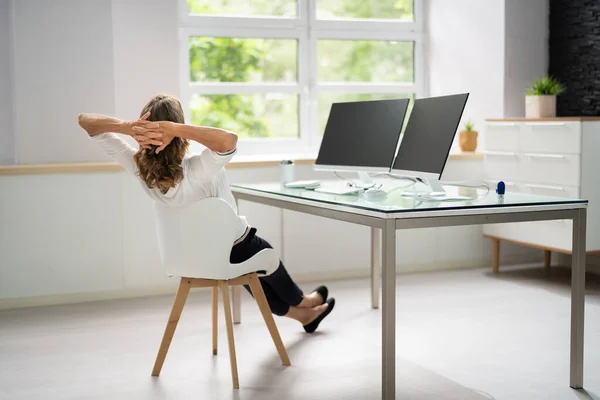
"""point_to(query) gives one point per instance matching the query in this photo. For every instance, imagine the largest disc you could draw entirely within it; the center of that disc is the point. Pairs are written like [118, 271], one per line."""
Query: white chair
[195, 244]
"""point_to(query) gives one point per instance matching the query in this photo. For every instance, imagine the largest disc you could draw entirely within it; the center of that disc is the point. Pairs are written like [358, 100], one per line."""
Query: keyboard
[303, 184]
[341, 190]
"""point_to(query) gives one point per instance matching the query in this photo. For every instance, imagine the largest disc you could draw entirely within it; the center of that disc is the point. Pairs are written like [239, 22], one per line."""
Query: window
[270, 69]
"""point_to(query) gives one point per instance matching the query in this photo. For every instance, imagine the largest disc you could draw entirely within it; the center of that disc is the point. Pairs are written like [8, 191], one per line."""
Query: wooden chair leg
[229, 324]
[495, 255]
[237, 303]
[547, 258]
[215, 318]
[180, 298]
[265, 310]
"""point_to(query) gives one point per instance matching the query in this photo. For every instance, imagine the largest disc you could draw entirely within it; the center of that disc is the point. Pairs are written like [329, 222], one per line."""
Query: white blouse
[203, 175]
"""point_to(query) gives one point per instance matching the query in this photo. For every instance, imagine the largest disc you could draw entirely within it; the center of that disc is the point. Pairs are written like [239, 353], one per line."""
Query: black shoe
[323, 291]
[310, 328]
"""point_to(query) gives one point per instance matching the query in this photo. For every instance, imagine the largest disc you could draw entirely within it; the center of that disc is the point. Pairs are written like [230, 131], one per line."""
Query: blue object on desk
[500, 188]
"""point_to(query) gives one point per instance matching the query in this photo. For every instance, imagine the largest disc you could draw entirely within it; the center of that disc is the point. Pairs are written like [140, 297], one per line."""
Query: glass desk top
[395, 201]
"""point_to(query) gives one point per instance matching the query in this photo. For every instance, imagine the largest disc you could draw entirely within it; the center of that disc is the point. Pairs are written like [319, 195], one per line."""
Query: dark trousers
[279, 288]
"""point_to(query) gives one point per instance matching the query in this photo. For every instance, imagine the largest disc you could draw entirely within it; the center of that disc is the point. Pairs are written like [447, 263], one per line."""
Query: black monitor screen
[429, 133]
[362, 134]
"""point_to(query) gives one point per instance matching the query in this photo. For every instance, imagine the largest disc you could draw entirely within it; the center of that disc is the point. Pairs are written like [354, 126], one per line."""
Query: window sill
[238, 162]
[35, 169]
[271, 161]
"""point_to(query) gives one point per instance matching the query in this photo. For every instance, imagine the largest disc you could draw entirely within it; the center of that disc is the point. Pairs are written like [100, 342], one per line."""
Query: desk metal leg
[375, 266]
[578, 298]
[388, 317]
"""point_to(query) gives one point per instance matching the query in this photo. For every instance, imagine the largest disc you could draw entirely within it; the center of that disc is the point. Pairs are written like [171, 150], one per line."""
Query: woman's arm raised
[97, 124]
[216, 139]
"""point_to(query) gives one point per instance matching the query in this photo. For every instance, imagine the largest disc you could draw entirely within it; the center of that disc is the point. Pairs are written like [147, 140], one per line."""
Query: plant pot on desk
[467, 141]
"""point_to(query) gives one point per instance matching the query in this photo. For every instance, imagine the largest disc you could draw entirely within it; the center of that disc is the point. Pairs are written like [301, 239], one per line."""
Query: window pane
[250, 116]
[365, 61]
[326, 99]
[389, 9]
[279, 8]
[223, 59]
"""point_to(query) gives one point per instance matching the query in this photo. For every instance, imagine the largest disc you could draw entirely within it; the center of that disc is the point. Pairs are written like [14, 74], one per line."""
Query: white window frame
[307, 30]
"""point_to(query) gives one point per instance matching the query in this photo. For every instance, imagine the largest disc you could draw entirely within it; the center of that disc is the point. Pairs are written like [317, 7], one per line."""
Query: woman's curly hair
[163, 170]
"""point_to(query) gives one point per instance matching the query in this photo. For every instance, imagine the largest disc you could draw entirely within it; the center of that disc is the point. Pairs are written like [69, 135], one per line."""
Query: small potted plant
[540, 99]
[468, 138]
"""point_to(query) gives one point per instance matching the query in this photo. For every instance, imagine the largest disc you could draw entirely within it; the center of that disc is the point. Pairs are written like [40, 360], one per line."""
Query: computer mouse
[375, 194]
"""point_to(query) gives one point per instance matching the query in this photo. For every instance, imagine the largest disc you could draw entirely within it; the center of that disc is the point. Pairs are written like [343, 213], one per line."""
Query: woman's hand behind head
[153, 133]
[144, 140]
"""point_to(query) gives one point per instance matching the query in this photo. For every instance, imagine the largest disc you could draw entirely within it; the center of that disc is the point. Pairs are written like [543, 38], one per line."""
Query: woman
[169, 177]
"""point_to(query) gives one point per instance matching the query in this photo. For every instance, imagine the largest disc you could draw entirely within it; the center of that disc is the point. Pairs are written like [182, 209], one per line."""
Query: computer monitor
[362, 136]
[428, 137]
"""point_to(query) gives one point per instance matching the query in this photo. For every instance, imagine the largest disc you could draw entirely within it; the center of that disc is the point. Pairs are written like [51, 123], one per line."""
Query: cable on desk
[473, 185]
[357, 185]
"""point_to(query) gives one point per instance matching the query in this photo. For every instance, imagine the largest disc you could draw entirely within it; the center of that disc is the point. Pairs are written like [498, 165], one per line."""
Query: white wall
[105, 56]
[63, 66]
[526, 50]
[146, 52]
[492, 49]
[466, 54]
[6, 108]
[60, 234]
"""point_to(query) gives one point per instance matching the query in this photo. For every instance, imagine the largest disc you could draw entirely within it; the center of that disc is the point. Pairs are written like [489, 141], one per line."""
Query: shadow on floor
[553, 279]
[585, 395]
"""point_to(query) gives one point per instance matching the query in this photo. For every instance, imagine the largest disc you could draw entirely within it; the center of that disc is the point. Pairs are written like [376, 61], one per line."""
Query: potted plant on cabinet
[540, 99]
[468, 138]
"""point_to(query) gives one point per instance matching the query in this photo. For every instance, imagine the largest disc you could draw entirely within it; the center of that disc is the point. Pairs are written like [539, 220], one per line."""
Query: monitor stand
[364, 180]
[437, 192]
[435, 186]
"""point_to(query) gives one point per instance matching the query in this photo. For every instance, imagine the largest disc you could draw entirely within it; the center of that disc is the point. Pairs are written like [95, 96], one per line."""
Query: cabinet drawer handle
[545, 124]
[501, 124]
[553, 156]
[499, 153]
[546, 187]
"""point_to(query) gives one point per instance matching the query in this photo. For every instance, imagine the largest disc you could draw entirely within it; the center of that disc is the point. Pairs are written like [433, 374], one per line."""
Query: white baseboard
[169, 289]
[72, 298]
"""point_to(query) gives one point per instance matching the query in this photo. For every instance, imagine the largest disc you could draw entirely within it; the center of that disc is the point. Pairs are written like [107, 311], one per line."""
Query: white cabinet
[557, 157]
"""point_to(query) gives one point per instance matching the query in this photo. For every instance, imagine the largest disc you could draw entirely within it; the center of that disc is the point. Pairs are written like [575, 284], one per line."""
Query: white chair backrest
[196, 241]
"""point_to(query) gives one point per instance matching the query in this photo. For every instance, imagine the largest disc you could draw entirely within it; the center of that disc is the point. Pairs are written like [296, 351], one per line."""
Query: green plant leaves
[469, 125]
[546, 86]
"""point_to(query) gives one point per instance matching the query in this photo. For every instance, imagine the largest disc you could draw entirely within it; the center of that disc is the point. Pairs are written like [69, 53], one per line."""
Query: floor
[462, 335]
